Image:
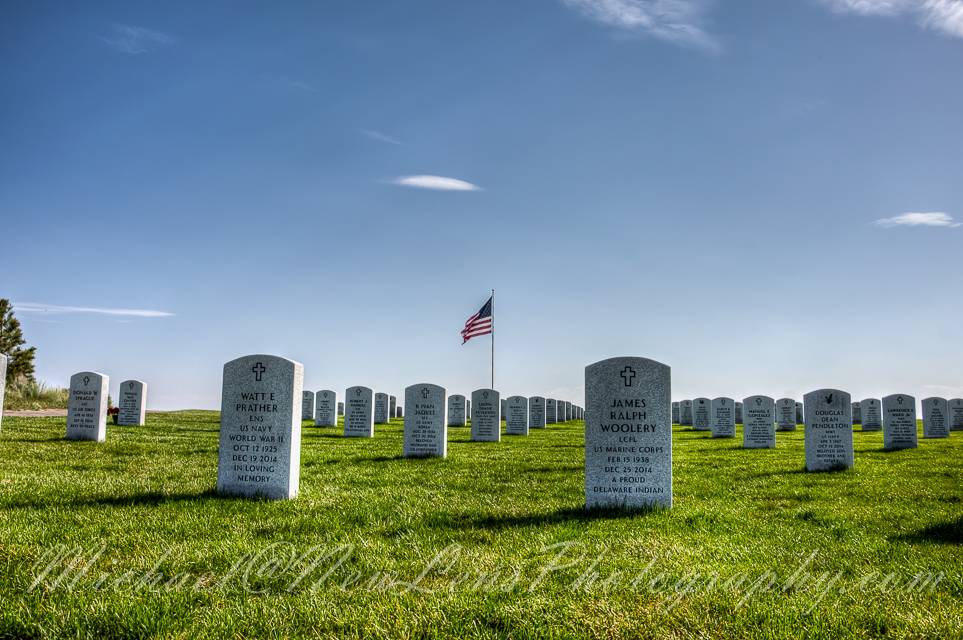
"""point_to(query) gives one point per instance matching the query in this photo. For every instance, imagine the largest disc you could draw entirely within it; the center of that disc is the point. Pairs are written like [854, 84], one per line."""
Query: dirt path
[42, 413]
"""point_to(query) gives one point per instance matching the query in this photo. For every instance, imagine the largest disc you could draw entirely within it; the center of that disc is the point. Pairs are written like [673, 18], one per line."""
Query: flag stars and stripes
[479, 324]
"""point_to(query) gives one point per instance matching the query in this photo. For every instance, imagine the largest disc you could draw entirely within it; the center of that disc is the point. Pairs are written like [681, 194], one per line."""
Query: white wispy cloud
[127, 38]
[675, 21]
[945, 16]
[380, 137]
[437, 183]
[913, 219]
[39, 307]
[302, 86]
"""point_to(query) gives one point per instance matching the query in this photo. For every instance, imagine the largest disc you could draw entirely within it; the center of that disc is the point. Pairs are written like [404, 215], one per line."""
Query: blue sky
[766, 196]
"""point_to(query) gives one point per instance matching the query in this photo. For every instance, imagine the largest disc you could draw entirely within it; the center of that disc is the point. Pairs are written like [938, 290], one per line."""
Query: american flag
[479, 324]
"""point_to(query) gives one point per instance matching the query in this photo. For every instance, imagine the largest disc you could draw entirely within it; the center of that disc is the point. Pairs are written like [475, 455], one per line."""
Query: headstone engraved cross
[935, 423]
[485, 416]
[132, 402]
[758, 423]
[359, 412]
[87, 406]
[259, 453]
[426, 431]
[628, 434]
[899, 422]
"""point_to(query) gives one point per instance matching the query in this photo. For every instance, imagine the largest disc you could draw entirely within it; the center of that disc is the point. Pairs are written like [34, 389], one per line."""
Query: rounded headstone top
[92, 376]
[359, 389]
[431, 388]
[263, 357]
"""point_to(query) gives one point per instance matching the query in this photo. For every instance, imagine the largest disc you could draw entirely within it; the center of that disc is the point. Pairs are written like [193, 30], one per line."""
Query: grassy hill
[491, 542]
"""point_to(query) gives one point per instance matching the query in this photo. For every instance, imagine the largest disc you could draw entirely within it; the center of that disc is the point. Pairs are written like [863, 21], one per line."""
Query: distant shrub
[23, 394]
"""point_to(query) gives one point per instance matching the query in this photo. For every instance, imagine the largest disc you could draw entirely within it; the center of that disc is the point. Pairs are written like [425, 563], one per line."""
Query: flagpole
[493, 338]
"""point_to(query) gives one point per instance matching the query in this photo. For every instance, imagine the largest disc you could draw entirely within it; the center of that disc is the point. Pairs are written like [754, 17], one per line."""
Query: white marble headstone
[326, 408]
[758, 422]
[87, 406]
[536, 412]
[259, 453]
[686, 409]
[551, 411]
[738, 413]
[675, 413]
[516, 416]
[485, 409]
[899, 422]
[456, 411]
[785, 414]
[381, 408]
[871, 413]
[132, 402]
[955, 407]
[857, 413]
[359, 412]
[392, 407]
[701, 414]
[829, 430]
[723, 411]
[628, 434]
[935, 423]
[307, 405]
[426, 429]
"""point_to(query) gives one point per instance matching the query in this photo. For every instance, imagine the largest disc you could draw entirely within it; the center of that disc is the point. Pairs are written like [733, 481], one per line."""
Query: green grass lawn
[492, 542]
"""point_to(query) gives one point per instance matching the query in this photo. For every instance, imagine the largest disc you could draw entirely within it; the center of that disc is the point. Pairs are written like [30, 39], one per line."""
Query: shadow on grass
[773, 474]
[941, 533]
[560, 516]
[393, 458]
[152, 498]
